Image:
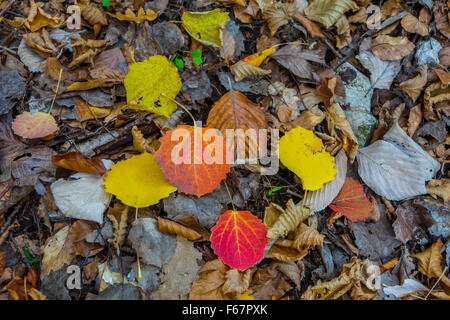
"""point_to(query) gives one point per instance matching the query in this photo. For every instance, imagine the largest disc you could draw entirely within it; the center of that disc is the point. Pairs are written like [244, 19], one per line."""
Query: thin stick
[440, 277]
[137, 254]
[57, 88]
[229, 194]
[179, 104]
[9, 4]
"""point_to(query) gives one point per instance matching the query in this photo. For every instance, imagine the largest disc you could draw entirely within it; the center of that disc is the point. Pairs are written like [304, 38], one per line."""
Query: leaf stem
[180, 105]
[229, 194]
[57, 88]
[137, 254]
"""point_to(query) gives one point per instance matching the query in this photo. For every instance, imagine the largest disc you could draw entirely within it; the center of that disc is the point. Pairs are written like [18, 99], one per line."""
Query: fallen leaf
[414, 119]
[235, 111]
[92, 14]
[277, 15]
[138, 181]
[433, 94]
[242, 70]
[413, 87]
[443, 76]
[197, 164]
[327, 12]
[82, 197]
[429, 262]
[409, 217]
[147, 80]
[396, 168]
[408, 287]
[313, 29]
[206, 27]
[382, 72]
[302, 152]
[320, 199]
[307, 238]
[85, 112]
[239, 239]
[33, 126]
[54, 252]
[129, 15]
[283, 250]
[391, 48]
[76, 161]
[415, 25]
[439, 188]
[210, 283]
[172, 227]
[281, 221]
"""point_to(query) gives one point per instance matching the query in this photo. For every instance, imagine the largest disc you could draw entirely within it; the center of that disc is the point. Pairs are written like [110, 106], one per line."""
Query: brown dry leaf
[76, 243]
[85, 112]
[283, 250]
[284, 112]
[278, 15]
[340, 129]
[235, 111]
[391, 48]
[2, 261]
[307, 119]
[52, 68]
[248, 13]
[439, 188]
[413, 87]
[78, 162]
[429, 262]
[118, 215]
[273, 288]
[307, 238]
[237, 282]
[313, 29]
[85, 50]
[172, 227]
[416, 25]
[40, 42]
[434, 93]
[352, 273]
[86, 85]
[210, 283]
[110, 75]
[242, 70]
[359, 17]
[328, 12]
[288, 219]
[414, 119]
[443, 76]
[409, 217]
[37, 18]
[141, 15]
[441, 18]
[228, 45]
[326, 90]
[92, 14]
[192, 222]
[139, 142]
[54, 253]
[310, 96]
[240, 3]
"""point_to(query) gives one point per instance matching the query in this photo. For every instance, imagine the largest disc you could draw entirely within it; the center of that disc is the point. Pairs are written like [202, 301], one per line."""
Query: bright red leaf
[239, 239]
[193, 159]
[352, 201]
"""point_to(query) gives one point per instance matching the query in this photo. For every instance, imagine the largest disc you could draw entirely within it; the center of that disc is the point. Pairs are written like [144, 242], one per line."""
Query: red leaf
[352, 201]
[78, 162]
[36, 125]
[239, 239]
[188, 176]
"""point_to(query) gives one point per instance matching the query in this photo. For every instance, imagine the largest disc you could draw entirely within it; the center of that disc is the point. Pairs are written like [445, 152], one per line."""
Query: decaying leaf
[34, 125]
[414, 86]
[302, 152]
[391, 48]
[429, 262]
[277, 15]
[307, 237]
[414, 119]
[281, 221]
[327, 12]
[168, 226]
[206, 27]
[92, 14]
[440, 188]
[239, 239]
[415, 25]
[139, 142]
[78, 162]
[141, 15]
[118, 215]
[242, 70]
[138, 181]
[147, 80]
[313, 29]
[434, 93]
[381, 72]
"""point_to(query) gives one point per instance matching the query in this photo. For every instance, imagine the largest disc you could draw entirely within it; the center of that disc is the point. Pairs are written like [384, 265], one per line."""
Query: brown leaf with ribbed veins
[85, 112]
[242, 70]
[414, 119]
[283, 250]
[414, 25]
[172, 227]
[139, 142]
[118, 215]
[391, 48]
[413, 87]
[307, 238]
[235, 111]
[78, 162]
[277, 15]
[439, 188]
[288, 220]
[313, 28]
[307, 119]
[92, 14]
[429, 262]
[192, 222]
[434, 93]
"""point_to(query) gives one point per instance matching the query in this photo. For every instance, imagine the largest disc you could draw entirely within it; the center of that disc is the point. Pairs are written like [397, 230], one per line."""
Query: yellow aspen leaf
[146, 81]
[138, 182]
[206, 27]
[34, 125]
[304, 154]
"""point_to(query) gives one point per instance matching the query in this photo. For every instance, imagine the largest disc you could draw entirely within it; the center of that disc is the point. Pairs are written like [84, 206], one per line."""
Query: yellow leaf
[138, 182]
[304, 154]
[245, 296]
[206, 27]
[146, 81]
[129, 15]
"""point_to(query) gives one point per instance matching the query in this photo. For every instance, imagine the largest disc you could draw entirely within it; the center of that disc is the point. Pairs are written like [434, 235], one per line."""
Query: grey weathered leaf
[381, 72]
[29, 58]
[320, 199]
[427, 52]
[296, 60]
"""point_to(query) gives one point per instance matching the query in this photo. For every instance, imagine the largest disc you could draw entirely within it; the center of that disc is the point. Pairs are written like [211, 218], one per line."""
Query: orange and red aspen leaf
[239, 239]
[352, 201]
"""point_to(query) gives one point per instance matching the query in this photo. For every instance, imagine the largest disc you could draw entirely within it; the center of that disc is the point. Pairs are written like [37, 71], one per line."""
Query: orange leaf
[352, 201]
[257, 58]
[239, 239]
[443, 76]
[196, 164]
[36, 125]
[76, 161]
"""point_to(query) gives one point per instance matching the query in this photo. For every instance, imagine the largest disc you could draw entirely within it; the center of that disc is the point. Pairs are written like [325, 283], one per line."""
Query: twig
[9, 50]
[7, 188]
[9, 4]
[440, 277]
